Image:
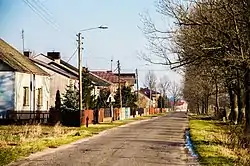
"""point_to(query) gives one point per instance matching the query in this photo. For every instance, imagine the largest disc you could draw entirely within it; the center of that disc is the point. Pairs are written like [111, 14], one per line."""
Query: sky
[52, 25]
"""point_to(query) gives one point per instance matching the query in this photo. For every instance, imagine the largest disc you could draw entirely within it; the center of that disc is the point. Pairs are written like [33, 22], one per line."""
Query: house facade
[143, 100]
[154, 96]
[64, 74]
[23, 85]
[59, 78]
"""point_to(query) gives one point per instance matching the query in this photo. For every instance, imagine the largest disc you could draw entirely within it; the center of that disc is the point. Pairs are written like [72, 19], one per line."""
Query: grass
[21, 141]
[213, 143]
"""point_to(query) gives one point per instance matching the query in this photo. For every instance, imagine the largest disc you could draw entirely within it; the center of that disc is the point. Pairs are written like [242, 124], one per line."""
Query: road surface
[156, 142]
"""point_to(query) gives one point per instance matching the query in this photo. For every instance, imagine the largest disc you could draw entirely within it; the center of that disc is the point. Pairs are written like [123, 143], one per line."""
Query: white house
[23, 85]
[60, 78]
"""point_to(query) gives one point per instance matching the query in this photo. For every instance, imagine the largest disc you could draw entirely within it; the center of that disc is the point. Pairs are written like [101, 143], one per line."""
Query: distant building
[110, 77]
[181, 105]
[154, 96]
[129, 78]
[143, 100]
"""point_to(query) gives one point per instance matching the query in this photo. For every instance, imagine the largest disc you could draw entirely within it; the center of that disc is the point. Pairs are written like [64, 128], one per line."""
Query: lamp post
[80, 66]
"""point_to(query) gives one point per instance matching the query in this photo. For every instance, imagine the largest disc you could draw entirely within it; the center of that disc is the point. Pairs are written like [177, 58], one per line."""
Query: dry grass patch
[217, 143]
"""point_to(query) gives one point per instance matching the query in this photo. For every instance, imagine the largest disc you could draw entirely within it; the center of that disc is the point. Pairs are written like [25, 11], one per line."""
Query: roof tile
[109, 76]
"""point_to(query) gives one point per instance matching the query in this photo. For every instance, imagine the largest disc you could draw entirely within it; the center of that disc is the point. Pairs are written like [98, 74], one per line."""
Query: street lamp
[100, 27]
[80, 66]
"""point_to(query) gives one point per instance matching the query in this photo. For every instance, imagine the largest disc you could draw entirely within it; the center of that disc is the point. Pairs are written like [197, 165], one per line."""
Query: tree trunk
[203, 107]
[198, 109]
[216, 99]
[207, 99]
[240, 106]
[247, 101]
[235, 108]
[239, 99]
[232, 95]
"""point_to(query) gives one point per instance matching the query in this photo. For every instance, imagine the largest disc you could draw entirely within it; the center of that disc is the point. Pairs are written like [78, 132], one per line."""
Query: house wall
[7, 80]
[155, 98]
[57, 82]
[130, 81]
[33, 82]
[143, 101]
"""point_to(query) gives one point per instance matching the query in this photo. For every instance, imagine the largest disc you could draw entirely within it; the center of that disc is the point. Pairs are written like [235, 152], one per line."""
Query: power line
[44, 9]
[71, 56]
[38, 7]
[39, 13]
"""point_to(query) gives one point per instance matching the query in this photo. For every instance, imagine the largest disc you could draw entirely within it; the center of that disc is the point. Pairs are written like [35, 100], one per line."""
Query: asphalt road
[155, 142]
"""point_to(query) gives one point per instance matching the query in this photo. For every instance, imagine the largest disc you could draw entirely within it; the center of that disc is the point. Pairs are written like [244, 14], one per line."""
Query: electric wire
[35, 9]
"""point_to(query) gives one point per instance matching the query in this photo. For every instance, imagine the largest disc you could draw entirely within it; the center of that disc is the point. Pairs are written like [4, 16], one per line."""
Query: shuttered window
[40, 96]
[26, 96]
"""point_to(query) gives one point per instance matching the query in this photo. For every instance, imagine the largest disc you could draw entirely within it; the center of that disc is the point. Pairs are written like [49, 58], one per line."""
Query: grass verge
[21, 141]
[214, 144]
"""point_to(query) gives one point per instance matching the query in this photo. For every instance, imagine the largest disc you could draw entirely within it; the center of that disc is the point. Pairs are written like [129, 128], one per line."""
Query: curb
[47, 151]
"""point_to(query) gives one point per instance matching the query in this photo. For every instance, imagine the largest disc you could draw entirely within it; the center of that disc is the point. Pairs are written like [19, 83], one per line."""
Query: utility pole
[150, 95]
[112, 64]
[80, 74]
[23, 39]
[119, 80]
[137, 83]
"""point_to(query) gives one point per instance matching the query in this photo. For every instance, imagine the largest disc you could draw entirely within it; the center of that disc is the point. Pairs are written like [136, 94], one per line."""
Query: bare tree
[150, 80]
[175, 91]
[164, 85]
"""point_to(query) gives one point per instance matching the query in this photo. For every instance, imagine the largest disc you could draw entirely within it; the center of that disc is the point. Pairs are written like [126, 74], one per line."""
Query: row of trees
[210, 43]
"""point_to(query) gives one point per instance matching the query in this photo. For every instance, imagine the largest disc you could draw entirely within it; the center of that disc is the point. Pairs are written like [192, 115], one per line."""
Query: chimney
[55, 56]
[27, 54]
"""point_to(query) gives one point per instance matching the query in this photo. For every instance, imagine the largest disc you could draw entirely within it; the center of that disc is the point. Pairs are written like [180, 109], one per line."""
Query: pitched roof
[109, 76]
[53, 68]
[98, 80]
[18, 61]
[72, 70]
[126, 74]
[60, 66]
[146, 91]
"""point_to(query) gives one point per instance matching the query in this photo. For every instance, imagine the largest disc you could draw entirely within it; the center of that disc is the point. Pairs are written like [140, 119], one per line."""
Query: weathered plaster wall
[32, 81]
[57, 82]
[6, 91]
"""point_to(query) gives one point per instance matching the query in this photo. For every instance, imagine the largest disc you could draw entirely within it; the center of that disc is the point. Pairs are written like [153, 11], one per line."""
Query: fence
[53, 116]
[107, 112]
[28, 117]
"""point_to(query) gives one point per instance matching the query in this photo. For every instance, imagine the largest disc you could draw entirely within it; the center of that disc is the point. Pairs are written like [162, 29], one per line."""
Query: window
[26, 96]
[40, 96]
